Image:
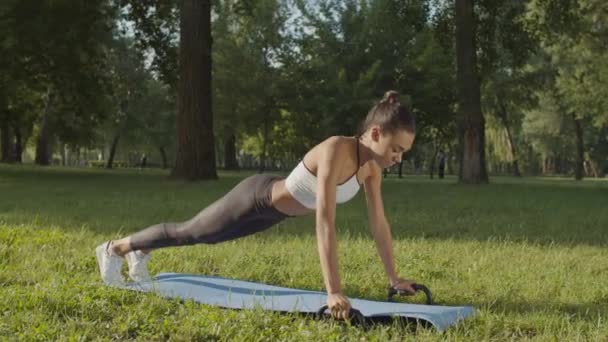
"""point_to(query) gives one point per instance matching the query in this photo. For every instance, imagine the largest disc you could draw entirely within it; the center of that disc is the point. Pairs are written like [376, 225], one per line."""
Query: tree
[156, 26]
[57, 54]
[195, 150]
[507, 93]
[471, 125]
[573, 35]
[228, 90]
[549, 132]
[505, 48]
[128, 85]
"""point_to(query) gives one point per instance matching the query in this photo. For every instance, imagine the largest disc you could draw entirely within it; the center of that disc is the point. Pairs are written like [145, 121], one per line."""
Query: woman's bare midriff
[284, 202]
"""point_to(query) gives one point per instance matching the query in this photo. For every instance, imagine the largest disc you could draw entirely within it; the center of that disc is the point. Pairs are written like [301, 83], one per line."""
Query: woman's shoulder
[336, 141]
[336, 146]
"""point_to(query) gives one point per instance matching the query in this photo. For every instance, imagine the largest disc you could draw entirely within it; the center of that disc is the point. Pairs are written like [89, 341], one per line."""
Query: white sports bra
[302, 185]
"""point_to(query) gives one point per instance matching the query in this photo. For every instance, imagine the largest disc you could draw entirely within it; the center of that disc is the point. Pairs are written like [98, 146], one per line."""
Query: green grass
[528, 254]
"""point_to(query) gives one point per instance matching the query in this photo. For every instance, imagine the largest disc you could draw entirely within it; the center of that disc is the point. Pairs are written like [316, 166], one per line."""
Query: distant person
[330, 173]
[441, 166]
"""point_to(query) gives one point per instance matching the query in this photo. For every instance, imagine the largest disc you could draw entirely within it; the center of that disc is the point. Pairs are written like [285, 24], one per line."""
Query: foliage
[56, 59]
[156, 31]
[287, 74]
[544, 126]
[574, 35]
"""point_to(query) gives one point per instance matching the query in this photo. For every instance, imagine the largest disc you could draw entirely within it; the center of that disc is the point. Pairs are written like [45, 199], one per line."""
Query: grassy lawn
[528, 254]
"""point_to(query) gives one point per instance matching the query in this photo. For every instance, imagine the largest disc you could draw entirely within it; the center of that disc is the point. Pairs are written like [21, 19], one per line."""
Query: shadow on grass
[406, 324]
[543, 211]
[591, 312]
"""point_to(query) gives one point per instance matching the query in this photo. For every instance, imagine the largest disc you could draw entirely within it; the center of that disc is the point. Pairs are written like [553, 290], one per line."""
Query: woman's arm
[381, 230]
[378, 224]
[328, 167]
[327, 173]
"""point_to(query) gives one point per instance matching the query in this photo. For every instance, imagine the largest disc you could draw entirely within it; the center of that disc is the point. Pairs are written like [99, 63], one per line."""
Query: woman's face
[389, 147]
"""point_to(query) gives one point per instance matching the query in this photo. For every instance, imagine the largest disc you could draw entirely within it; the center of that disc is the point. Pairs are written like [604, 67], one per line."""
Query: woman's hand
[338, 305]
[404, 285]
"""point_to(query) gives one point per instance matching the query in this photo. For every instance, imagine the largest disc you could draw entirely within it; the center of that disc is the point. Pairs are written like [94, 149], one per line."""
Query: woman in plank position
[330, 173]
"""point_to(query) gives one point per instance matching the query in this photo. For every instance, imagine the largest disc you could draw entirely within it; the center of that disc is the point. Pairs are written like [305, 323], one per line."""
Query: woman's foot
[110, 264]
[138, 265]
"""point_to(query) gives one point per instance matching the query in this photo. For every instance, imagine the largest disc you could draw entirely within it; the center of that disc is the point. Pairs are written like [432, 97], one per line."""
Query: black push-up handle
[418, 287]
[354, 315]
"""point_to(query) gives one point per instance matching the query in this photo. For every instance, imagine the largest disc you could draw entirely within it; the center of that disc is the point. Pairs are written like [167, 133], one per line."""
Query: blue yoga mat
[238, 294]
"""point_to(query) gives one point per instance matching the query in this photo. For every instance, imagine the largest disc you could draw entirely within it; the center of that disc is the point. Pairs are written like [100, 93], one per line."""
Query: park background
[512, 94]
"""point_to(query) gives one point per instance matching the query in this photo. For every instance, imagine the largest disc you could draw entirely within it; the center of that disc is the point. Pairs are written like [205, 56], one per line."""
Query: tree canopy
[501, 87]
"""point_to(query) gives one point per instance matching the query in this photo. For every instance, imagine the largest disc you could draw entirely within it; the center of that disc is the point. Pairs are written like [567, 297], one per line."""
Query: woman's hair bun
[391, 97]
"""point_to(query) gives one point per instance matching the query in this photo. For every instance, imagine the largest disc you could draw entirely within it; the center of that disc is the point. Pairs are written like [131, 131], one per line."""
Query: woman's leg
[245, 210]
[123, 246]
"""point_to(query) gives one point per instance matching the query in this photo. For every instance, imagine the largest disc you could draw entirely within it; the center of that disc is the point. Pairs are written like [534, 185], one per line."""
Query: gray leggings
[245, 210]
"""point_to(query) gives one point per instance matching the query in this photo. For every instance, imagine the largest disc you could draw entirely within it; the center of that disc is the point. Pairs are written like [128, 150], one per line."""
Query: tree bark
[195, 158]
[473, 163]
[433, 160]
[77, 150]
[230, 162]
[595, 169]
[534, 165]
[7, 142]
[110, 162]
[543, 169]
[18, 145]
[264, 143]
[502, 113]
[448, 161]
[163, 155]
[43, 144]
[548, 166]
[64, 154]
[580, 149]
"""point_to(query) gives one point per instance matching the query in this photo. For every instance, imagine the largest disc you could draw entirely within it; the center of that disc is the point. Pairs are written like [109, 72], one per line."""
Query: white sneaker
[109, 265]
[138, 265]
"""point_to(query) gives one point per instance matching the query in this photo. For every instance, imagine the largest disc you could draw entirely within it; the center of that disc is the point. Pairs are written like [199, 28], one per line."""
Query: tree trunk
[112, 153]
[77, 150]
[448, 161]
[7, 142]
[543, 169]
[43, 144]
[502, 112]
[230, 162]
[264, 143]
[472, 130]
[534, 161]
[64, 154]
[595, 169]
[546, 165]
[163, 155]
[560, 165]
[195, 148]
[18, 144]
[580, 149]
[432, 162]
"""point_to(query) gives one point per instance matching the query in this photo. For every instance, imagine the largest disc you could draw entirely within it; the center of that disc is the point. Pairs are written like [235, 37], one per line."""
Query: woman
[329, 173]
